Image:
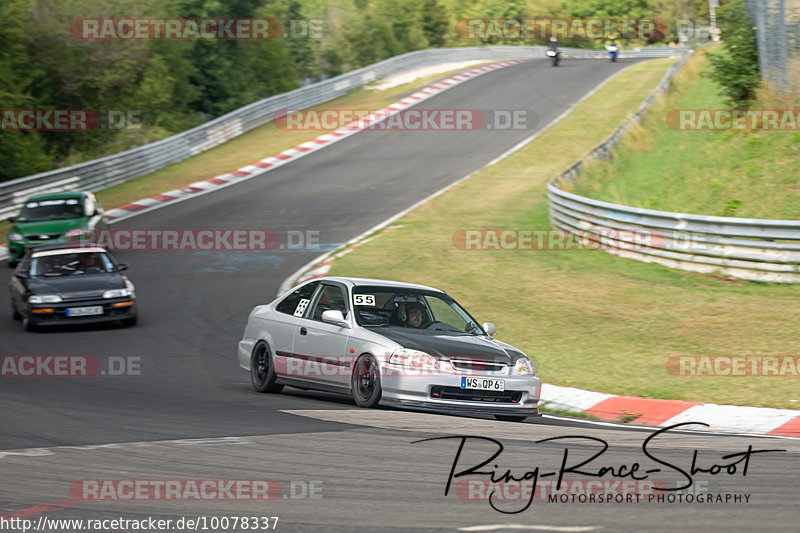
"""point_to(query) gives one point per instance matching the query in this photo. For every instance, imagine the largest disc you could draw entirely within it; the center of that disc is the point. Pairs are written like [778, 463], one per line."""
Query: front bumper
[15, 251]
[59, 312]
[441, 391]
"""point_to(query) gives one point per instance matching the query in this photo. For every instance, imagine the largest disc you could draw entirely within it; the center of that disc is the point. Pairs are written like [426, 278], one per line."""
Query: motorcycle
[612, 51]
[553, 55]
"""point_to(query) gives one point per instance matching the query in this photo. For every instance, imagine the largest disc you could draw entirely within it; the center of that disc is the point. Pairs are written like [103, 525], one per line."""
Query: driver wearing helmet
[553, 44]
[415, 315]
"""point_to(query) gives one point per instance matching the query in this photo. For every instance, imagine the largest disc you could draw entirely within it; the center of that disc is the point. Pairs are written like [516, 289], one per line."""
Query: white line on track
[526, 527]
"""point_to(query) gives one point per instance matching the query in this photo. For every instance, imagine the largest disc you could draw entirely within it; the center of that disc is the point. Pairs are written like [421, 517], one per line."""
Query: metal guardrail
[118, 168]
[747, 248]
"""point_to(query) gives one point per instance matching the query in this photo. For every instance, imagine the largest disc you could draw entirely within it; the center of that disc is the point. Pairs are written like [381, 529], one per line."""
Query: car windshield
[55, 209]
[70, 264]
[409, 308]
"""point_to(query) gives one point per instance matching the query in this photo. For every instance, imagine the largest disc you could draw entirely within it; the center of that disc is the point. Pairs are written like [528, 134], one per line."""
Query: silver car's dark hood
[448, 346]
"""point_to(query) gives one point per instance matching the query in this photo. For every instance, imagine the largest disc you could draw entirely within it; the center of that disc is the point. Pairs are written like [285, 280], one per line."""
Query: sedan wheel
[27, 324]
[366, 385]
[262, 373]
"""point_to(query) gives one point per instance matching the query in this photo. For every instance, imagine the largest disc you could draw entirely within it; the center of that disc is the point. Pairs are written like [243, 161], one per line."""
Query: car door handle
[303, 331]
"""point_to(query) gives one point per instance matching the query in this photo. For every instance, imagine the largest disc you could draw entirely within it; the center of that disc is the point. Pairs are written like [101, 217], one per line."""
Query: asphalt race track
[191, 414]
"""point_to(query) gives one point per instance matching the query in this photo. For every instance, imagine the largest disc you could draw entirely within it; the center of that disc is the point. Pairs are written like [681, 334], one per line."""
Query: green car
[51, 218]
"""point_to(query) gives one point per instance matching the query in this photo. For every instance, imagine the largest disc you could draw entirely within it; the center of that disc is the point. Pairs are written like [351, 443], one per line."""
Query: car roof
[55, 196]
[357, 282]
[74, 246]
[64, 251]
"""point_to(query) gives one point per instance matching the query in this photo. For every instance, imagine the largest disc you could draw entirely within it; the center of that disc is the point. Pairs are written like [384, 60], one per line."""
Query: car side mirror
[22, 275]
[121, 267]
[490, 329]
[335, 317]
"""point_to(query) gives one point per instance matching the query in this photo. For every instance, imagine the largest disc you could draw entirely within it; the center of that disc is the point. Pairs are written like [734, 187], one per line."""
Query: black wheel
[14, 313]
[28, 324]
[366, 383]
[262, 373]
[510, 418]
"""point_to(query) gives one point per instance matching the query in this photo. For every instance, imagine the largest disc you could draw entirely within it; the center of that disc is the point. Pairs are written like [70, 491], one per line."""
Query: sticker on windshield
[301, 307]
[364, 299]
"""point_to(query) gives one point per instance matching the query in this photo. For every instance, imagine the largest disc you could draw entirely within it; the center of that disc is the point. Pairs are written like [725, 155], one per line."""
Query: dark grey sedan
[70, 284]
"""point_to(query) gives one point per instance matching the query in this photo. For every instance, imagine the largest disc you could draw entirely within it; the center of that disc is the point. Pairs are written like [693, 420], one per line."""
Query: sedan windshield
[51, 210]
[409, 308]
[71, 264]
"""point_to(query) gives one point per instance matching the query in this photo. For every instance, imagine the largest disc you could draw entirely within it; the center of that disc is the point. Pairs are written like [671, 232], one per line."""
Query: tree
[735, 66]
[21, 152]
[434, 23]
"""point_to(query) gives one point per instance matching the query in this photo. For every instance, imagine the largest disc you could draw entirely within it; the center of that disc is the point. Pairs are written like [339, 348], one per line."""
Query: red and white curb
[287, 156]
[662, 413]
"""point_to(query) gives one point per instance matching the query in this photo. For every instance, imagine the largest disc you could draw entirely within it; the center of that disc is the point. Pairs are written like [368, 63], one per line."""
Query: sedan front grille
[82, 295]
[477, 366]
[43, 237]
[473, 395]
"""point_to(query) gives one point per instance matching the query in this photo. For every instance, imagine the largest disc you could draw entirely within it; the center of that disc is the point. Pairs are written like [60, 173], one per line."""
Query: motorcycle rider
[553, 47]
[612, 42]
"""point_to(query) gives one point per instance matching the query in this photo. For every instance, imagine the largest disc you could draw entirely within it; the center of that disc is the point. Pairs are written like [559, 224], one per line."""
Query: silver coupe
[389, 343]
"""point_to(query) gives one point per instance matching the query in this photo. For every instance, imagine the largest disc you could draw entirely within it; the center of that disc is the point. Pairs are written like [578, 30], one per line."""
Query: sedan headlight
[77, 233]
[523, 367]
[118, 293]
[16, 237]
[415, 358]
[44, 299]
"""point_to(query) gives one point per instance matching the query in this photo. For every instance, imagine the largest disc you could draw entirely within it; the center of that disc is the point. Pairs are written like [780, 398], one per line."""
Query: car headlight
[44, 299]
[416, 358]
[118, 293]
[523, 367]
[16, 237]
[77, 233]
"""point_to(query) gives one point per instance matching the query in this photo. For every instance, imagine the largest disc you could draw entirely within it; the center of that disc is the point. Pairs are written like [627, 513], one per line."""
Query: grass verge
[751, 174]
[588, 319]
